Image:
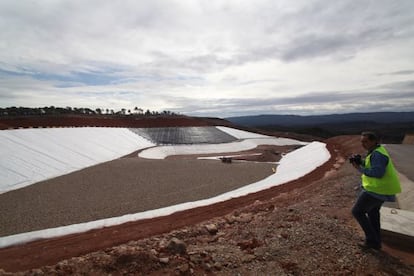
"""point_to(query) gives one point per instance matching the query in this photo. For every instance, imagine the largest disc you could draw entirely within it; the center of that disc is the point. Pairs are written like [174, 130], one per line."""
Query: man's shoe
[368, 246]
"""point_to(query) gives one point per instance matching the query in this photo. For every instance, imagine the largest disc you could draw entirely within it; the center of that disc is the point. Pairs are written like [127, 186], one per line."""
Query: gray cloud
[396, 87]
[312, 29]
[323, 98]
[403, 72]
[346, 26]
[157, 51]
[309, 103]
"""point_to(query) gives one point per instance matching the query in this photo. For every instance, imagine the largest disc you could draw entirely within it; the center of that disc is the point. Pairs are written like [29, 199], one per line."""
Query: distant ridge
[316, 120]
[392, 126]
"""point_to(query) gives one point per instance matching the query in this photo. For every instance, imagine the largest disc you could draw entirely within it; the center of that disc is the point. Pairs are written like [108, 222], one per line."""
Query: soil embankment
[106, 121]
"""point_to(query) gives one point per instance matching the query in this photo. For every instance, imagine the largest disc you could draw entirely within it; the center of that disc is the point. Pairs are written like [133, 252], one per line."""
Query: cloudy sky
[209, 58]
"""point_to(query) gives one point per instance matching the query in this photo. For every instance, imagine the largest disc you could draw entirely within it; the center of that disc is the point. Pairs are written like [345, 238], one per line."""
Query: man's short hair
[372, 136]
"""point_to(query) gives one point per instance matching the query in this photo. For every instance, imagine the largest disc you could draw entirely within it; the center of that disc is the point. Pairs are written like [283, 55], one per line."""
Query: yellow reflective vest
[389, 184]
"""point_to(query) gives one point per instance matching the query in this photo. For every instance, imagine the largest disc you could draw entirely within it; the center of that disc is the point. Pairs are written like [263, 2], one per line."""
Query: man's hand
[355, 165]
[356, 161]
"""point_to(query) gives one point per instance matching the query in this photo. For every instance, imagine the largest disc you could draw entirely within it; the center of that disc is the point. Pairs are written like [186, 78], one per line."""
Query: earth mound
[107, 121]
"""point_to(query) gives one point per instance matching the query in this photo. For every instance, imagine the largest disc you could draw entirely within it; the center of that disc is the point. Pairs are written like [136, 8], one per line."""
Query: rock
[217, 266]
[230, 219]
[283, 235]
[196, 259]
[164, 260]
[212, 228]
[184, 268]
[248, 258]
[249, 244]
[36, 272]
[154, 252]
[206, 267]
[176, 246]
[245, 218]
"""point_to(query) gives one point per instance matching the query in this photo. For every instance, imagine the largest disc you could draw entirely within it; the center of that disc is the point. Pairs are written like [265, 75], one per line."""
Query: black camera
[357, 159]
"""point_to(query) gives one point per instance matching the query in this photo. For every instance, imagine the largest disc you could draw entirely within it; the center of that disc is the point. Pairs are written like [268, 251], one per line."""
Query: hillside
[300, 228]
[296, 120]
[392, 125]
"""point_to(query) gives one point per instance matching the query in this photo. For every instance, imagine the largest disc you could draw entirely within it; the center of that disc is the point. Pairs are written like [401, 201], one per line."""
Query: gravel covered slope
[119, 187]
[306, 229]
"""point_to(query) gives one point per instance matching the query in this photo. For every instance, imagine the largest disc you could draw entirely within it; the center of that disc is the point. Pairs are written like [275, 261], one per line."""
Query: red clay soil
[106, 121]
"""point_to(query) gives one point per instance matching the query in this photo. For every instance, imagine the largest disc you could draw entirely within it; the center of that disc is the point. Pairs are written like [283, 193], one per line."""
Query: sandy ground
[299, 228]
[123, 186]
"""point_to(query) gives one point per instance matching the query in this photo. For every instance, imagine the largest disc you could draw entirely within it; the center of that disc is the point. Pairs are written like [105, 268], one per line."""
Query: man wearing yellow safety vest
[380, 183]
